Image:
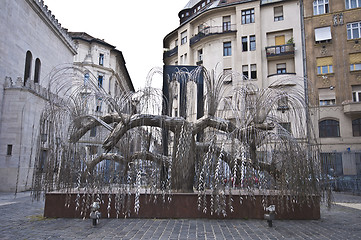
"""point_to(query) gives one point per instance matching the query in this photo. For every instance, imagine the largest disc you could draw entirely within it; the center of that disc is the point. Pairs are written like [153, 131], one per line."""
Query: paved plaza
[22, 219]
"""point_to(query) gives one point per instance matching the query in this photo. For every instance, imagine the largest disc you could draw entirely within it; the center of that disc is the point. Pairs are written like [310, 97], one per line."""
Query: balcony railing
[170, 53]
[280, 50]
[208, 31]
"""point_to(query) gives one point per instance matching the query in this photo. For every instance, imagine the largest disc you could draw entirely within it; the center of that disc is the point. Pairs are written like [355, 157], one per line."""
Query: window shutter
[280, 40]
[355, 58]
[326, 94]
[356, 88]
[227, 19]
[323, 34]
[278, 11]
[324, 61]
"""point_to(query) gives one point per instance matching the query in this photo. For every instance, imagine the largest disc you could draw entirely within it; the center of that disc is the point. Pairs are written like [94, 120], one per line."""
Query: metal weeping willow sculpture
[245, 146]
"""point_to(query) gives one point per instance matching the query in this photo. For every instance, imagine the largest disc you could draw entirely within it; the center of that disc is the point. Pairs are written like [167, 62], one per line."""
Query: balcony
[209, 31]
[351, 108]
[170, 53]
[282, 80]
[281, 51]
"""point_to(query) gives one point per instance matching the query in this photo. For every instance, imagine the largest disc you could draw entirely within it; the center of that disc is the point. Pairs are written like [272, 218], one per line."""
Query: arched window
[356, 127]
[28, 60]
[86, 78]
[37, 70]
[329, 128]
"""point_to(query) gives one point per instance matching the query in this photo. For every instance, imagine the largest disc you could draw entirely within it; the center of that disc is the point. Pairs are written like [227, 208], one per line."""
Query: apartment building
[259, 40]
[333, 35]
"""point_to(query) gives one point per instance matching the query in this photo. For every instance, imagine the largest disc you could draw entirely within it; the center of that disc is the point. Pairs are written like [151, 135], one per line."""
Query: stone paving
[22, 219]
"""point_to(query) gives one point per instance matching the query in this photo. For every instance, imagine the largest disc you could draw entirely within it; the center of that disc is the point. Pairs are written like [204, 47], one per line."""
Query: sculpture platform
[184, 205]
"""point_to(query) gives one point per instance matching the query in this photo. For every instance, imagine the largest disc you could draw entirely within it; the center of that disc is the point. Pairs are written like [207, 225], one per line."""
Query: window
[184, 37]
[324, 65]
[323, 34]
[278, 13]
[93, 132]
[227, 49]
[28, 60]
[200, 55]
[355, 62]
[281, 68]
[100, 81]
[354, 30]
[98, 107]
[245, 72]
[9, 150]
[248, 16]
[226, 23]
[244, 44]
[356, 127]
[320, 7]
[355, 67]
[37, 70]
[283, 104]
[353, 4]
[329, 128]
[101, 59]
[327, 97]
[86, 78]
[356, 93]
[284, 128]
[253, 71]
[252, 43]
[43, 158]
[227, 73]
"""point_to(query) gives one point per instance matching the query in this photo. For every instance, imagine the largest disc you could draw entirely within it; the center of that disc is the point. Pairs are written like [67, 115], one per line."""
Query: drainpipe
[305, 77]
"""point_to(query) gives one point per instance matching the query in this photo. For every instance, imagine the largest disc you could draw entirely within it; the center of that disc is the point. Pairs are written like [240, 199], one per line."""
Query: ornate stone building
[34, 47]
[333, 35]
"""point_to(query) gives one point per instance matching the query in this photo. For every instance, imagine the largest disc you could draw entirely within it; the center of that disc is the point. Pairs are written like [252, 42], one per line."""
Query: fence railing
[207, 31]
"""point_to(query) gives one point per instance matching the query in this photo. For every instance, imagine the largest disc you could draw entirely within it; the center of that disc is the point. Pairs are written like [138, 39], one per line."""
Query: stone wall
[26, 25]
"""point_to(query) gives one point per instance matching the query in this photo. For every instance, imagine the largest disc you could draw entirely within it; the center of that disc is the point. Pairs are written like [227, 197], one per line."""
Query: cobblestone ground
[22, 219]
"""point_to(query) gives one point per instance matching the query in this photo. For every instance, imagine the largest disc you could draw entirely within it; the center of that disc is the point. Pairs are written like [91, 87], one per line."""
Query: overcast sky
[135, 27]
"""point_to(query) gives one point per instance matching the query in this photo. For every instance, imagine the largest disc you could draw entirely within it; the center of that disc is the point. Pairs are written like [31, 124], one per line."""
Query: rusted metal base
[184, 205]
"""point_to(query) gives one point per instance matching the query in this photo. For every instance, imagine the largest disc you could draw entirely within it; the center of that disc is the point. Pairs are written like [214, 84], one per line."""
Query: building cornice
[45, 14]
[201, 13]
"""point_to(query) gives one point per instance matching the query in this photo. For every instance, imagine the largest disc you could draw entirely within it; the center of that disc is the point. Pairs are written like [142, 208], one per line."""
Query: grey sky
[136, 28]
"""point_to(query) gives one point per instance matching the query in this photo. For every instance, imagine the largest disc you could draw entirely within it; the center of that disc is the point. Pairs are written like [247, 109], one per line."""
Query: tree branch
[139, 120]
[154, 157]
[91, 123]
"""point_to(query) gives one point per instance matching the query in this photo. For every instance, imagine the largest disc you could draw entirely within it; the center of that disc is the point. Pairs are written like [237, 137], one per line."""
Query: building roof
[88, 38]
[191, 3]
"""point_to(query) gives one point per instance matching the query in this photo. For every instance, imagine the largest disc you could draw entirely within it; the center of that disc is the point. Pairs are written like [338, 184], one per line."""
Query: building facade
[259, 40]
[104, 67]
[333, 32]
[38, 57]
[31, 37]
[314, 42]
